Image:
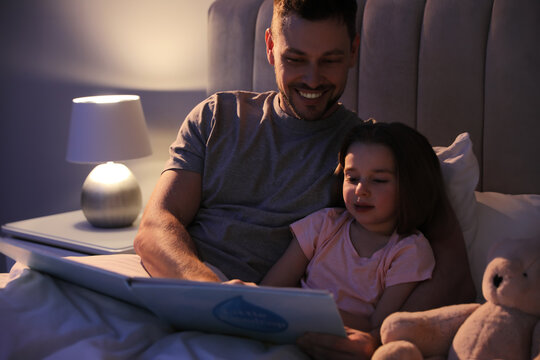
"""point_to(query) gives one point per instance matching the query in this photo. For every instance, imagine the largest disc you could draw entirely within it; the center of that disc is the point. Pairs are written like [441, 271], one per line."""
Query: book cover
[278, 315]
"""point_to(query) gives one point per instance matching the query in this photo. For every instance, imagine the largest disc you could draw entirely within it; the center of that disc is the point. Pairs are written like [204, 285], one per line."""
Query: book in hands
[278, 315]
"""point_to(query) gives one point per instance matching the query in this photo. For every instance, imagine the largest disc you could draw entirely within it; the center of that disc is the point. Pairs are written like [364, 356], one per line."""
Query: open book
[277, 315]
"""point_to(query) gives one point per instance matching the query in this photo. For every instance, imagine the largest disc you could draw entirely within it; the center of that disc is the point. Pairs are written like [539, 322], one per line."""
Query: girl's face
[370, 186]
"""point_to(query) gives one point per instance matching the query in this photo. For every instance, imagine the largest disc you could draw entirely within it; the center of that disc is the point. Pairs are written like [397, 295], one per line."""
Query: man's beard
[331, 102]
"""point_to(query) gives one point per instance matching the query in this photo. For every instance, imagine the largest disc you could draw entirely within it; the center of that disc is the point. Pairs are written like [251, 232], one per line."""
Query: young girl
[370, 255]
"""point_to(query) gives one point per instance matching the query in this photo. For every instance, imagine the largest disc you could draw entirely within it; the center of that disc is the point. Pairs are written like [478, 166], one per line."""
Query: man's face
[311, 60]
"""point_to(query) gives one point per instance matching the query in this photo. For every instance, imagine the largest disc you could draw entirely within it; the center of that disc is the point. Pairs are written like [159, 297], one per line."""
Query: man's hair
[313, 10]
[420, 184]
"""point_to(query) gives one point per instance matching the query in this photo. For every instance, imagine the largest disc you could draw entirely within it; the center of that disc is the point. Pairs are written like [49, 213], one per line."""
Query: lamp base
[111, 196]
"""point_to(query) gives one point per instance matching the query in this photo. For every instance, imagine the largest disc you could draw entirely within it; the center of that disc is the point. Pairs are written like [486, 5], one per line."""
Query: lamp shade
[107, 128]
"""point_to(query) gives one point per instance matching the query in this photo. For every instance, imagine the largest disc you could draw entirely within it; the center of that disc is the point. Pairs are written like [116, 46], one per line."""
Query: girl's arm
[391, 301]
[289, 269]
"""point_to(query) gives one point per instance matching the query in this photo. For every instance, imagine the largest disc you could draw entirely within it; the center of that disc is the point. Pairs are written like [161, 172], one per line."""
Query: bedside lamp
[105, 129]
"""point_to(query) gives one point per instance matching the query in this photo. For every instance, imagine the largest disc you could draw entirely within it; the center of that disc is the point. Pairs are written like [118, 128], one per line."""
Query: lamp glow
[105, 99]
[110, 173]
[106, 129]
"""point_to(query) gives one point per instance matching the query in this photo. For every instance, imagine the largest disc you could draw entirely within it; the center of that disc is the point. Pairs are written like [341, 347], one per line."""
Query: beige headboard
[442, 66]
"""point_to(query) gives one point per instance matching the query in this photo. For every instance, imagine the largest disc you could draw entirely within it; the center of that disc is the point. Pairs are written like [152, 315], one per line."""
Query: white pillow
[501, 217]
[460, 171]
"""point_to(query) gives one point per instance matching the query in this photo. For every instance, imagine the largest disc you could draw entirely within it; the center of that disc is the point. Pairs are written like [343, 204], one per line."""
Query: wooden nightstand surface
[71, 231]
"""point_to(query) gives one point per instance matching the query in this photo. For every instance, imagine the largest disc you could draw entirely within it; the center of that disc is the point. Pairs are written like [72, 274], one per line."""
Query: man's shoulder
[230, 102]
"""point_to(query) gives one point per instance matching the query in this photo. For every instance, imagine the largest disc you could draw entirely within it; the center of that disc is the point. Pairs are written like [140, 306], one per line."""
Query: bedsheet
[45, 318]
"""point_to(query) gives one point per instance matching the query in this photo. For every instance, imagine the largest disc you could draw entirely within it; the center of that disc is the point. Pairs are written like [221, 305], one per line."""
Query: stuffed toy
[506, 326]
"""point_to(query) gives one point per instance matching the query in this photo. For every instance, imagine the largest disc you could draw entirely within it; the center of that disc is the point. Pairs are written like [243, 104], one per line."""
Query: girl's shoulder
[323, 220]
[410, 260]
[330, 215]
[413, 242]
[416, 236]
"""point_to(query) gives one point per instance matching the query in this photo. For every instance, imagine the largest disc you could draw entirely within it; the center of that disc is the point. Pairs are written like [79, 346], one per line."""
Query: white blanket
[45, 318]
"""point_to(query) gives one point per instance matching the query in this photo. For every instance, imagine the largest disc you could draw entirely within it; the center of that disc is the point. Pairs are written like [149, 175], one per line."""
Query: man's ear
[269, 46]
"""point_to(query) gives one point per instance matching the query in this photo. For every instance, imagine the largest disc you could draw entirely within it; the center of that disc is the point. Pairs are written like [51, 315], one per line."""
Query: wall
[56, 50]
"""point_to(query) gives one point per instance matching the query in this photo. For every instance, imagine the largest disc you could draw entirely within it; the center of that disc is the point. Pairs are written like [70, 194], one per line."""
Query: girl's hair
[420, 183]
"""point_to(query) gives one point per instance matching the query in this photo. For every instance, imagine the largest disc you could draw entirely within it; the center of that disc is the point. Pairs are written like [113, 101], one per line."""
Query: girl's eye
[380, 181]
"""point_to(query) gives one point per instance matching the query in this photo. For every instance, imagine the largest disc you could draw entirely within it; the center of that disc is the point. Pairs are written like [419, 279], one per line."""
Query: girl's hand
[238, 282]
[357, 345]
[355, 321]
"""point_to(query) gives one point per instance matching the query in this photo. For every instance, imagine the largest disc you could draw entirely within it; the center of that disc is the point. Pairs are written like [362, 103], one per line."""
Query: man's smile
[310, 95]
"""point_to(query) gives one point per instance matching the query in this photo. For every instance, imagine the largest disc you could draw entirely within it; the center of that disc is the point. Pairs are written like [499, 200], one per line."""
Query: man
[246, 165]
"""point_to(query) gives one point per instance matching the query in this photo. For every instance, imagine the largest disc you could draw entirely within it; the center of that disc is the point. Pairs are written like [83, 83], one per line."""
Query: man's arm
[162, 242]
[451, 281]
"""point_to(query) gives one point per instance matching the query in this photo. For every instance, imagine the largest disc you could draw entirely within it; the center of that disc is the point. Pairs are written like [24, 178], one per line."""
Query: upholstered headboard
[442, 66]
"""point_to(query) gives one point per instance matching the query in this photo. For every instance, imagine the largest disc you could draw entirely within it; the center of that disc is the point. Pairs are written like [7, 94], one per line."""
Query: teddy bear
[506, 326]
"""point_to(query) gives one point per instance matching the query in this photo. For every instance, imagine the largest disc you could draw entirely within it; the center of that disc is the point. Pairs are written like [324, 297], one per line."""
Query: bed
[465, 73]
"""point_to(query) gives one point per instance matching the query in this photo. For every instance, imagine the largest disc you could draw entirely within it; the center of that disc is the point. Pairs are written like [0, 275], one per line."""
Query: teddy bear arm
[431, 331]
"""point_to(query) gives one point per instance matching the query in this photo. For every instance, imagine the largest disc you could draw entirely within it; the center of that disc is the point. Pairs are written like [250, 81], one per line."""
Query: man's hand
[239, 282]
[357, 345]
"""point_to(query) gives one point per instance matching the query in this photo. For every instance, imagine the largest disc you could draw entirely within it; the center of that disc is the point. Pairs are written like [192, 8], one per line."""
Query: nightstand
[71, 231]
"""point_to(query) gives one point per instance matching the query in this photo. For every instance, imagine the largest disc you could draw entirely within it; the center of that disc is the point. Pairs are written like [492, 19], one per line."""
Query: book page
[129, 265]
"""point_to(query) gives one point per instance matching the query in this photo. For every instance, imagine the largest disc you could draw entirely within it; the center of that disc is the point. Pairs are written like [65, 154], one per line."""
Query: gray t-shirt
[261, 171]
